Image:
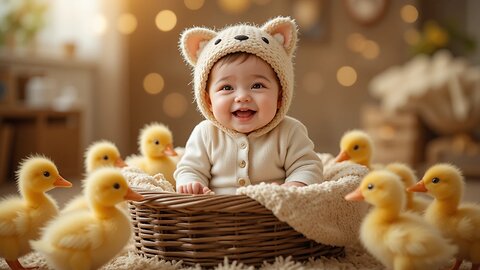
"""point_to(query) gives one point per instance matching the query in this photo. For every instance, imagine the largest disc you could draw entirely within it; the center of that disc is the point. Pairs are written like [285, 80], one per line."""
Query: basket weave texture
[203, 229]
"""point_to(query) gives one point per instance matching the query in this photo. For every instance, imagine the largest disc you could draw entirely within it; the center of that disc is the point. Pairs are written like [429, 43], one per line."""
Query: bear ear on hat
[192, 42]
[284, 30]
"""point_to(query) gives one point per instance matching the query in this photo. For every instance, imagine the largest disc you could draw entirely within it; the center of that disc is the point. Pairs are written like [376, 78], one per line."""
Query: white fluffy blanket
[318, 211]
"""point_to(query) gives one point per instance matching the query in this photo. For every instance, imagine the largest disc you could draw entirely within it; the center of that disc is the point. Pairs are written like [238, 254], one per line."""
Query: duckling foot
[16, 265]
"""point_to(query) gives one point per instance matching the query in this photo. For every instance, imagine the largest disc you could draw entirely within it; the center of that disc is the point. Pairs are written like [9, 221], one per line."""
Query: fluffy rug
[355, 259]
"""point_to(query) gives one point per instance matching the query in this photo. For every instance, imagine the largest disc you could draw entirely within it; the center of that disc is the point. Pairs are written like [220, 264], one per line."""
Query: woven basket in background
[203, 229]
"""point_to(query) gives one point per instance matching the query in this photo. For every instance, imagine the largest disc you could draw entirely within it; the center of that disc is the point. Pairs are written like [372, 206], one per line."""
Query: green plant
[21, 20]
[435, 36]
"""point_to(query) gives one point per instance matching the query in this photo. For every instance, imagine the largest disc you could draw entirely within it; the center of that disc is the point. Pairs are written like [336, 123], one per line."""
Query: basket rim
[198, 202]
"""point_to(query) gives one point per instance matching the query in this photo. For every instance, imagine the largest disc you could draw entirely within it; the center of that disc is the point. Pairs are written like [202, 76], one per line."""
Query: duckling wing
[77, 230]
[13, 219]
[90, 236]
[412, 236]
[468, 222]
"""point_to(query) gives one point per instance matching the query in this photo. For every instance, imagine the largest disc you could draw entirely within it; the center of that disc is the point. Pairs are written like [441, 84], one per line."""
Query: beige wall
[327, 114]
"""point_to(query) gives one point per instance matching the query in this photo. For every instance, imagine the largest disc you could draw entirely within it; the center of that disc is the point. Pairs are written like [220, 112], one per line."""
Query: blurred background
[76, 71]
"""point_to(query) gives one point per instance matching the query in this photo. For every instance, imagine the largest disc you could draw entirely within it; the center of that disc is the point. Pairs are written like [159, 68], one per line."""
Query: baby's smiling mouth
[243, 113]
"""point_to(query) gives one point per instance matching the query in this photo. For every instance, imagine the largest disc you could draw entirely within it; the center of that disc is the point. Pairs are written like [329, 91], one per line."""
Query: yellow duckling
[98, 154]
[157, 152]
[407, 175]
[459, 222]
[357, 146]
[22, 217]
[90, 238]
[398, 239]
[102, 154]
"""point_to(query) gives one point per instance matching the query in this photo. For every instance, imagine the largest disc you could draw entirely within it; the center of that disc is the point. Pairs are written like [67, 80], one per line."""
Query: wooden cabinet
[55, 134]
[34, 123]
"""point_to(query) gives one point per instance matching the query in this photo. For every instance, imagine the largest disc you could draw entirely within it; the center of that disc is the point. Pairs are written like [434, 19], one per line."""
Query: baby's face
[244, 94]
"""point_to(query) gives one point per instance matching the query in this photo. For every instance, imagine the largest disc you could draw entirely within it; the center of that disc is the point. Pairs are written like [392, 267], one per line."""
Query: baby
[243, 85]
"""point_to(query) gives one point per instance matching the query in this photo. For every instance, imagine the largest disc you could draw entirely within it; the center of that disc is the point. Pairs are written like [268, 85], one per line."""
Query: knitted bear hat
[274, 42]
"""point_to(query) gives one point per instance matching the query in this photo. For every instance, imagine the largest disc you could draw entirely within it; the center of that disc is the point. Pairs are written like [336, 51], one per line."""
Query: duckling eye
[105, 157]
[370, 186]
[356, 147]
[435, 180]
[116, 186]
[46, 173]
[157, 142]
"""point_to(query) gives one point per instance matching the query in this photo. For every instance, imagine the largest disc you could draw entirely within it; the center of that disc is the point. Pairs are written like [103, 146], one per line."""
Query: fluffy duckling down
[157, 152]
[356, 146]
[21, 217]
[398, 239]
[407, 175]
[89, 239]
[98, 155]
[457, 221]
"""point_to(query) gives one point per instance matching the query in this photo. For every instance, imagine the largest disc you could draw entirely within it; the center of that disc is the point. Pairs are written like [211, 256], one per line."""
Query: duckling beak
[342, 156]
[355, 195]
[132, 195]
[169, 151]
[61, 182]
[418, 187]
[120, 163]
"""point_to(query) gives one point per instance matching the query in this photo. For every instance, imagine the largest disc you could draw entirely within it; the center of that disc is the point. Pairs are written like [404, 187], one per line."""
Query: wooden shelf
[44, 131]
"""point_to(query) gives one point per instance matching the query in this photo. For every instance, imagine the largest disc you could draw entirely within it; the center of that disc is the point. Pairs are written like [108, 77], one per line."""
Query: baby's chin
[245, 129]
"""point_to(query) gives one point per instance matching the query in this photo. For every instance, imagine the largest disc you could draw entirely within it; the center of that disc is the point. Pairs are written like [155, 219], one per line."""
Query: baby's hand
[293, 184]
[193, 188]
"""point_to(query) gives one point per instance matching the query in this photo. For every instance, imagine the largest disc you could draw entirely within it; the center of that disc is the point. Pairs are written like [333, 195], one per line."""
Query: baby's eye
[105, 157]
[258, 86]
[226, 87]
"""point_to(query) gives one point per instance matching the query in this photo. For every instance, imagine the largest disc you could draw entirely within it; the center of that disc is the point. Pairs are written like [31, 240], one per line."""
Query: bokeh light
[127, 23]
[371, 49]
[234, 6]
[346, 76]
[307, 12]
[166, 20]
[409, 13]
[153, 83]
[194, 4]
[356, 42]
[99, 25]
[175, 105]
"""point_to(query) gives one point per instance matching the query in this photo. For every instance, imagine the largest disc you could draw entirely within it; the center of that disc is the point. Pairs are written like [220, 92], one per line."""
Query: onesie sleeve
[194, 166]
[302, 163]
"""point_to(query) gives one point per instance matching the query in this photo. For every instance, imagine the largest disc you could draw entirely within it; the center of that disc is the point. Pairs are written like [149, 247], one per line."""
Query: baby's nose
[243, 96]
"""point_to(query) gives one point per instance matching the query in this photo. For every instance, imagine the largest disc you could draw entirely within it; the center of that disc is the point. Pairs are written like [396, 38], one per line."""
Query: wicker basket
[203, 229]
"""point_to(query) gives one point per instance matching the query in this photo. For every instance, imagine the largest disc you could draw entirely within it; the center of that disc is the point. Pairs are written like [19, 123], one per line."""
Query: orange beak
[133, 196]
[61, 182]
[418, 187]
[342, 156]
[355, 195]
[120, 163]
[169, 151]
